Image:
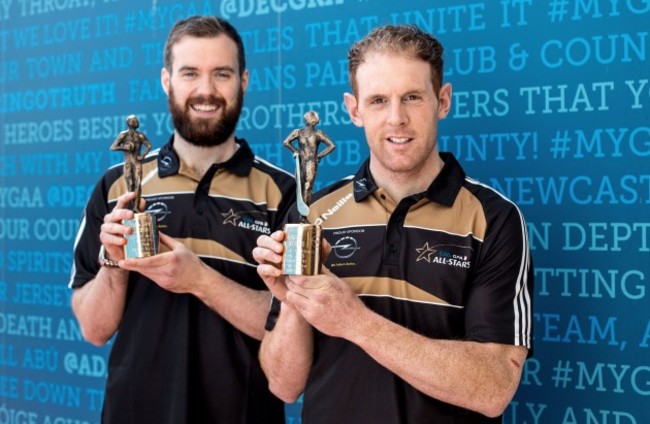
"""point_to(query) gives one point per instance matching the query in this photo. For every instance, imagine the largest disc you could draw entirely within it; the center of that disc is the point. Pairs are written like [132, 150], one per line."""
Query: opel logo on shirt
[345, 247]
[160, 210]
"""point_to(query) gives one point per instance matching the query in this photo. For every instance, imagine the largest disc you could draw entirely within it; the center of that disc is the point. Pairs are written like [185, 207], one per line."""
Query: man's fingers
[279, 236]
[167, 240]
[109, 239]
[326, 249]
[144, 263]
[266, 256]
[124, 200]
[268, 271]
[273, 242]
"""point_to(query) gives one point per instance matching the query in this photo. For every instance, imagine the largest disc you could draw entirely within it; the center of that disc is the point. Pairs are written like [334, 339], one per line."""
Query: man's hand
[177, 270]
[327, 302]
[268, 255]
[113, 232]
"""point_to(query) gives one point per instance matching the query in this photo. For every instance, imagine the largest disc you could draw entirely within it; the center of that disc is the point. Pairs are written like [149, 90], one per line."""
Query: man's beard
[204, 132]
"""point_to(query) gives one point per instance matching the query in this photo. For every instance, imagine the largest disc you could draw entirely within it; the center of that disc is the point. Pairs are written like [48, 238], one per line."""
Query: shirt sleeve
[499, 306]
[86, 248]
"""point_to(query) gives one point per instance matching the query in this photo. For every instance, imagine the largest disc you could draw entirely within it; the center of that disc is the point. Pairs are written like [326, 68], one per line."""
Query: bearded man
[186, 323]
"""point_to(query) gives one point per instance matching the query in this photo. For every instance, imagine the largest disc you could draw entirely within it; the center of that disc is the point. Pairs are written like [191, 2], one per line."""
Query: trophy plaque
[302, 243]
[143, 241]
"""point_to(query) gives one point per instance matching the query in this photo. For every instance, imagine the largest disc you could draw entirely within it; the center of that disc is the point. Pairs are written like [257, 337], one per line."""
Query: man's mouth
[399, 140]
[204, 107]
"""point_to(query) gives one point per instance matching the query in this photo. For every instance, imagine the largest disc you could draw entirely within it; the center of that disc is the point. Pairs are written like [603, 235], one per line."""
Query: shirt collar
[443, 189]
[239, 164]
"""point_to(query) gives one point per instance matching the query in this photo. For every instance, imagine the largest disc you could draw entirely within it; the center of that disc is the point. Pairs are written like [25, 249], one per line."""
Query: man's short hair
[398, 39]
[203, 27]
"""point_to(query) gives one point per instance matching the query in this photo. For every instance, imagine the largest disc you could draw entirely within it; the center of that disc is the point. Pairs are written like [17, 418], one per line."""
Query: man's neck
[399, 185]
[200, 159]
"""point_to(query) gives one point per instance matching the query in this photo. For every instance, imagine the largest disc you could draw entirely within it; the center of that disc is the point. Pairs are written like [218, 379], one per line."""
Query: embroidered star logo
[425, 253]
[230, 217]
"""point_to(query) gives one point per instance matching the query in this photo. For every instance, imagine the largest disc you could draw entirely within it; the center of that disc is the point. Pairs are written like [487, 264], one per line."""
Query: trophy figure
[302, 245]
[144, 239]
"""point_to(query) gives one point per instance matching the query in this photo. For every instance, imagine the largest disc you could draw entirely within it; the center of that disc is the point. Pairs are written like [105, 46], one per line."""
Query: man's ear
[245, 78]
[444, 101]
[164, 80]
[353, 109]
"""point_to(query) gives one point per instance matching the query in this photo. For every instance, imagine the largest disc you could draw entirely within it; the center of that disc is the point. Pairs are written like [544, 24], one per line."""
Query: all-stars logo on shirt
[449, 255]
[425, 253]
[245, 220]
[230, 217]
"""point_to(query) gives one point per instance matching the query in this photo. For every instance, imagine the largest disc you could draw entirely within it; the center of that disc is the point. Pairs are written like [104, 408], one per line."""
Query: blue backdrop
[551, 107]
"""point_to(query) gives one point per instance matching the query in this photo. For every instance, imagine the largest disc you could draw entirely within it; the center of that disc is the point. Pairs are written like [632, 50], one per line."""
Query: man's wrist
[105, 260]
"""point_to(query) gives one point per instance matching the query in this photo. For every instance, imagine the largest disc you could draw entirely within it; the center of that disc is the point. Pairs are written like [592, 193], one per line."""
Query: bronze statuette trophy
[143, 241]
[302, 244]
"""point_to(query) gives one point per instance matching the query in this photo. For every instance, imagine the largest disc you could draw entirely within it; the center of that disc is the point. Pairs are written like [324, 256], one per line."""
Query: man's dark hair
[203, 27]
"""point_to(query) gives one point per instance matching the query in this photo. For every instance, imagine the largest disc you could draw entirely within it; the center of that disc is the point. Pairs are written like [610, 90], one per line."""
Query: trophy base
[302, 249]
[143, 241]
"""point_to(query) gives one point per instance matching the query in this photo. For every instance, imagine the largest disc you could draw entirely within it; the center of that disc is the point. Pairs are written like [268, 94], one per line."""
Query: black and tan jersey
[452, 262]
[173, 359]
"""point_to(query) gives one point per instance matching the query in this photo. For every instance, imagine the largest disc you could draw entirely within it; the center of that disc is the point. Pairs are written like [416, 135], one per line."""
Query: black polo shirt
[174, 360]
[450, 263]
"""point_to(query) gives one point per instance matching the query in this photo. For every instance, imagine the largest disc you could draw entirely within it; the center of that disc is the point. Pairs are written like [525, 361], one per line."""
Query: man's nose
[206, 86]
[397, 114]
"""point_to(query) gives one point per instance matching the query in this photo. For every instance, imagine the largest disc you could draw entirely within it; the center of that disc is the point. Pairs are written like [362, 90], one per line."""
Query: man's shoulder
[344, 183]
[487, 195]
[275, 172]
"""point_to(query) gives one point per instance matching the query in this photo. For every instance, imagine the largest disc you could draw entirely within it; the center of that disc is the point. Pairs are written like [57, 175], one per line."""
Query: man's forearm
[286, 354]
[244, 308]
[99, 304]
[479, 376]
